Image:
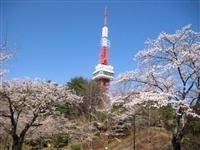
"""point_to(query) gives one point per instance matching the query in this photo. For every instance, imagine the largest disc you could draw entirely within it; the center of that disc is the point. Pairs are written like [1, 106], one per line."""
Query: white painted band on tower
[105, 42]
[105, 31]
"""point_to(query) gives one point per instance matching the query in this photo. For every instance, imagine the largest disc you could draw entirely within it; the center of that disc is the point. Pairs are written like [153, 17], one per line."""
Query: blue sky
[60, 39]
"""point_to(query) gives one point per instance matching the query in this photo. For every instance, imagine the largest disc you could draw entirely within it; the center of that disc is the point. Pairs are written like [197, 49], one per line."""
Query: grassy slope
[153, 138]
[146, 139]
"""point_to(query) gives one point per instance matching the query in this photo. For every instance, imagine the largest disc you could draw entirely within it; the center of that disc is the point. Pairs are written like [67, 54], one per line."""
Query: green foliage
[91, 93]
[193, 126]
[57, 140]
[168, 117]
[167, 112]
[116, 108]
[70, 111]
[75, 146]
[63, 108]
[60, 140]
[101, 115]
[77, 85]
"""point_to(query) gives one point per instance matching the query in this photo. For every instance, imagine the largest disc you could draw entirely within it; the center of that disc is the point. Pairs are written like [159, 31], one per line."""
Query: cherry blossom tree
[27, 104]
[5, 54]
[168, 73]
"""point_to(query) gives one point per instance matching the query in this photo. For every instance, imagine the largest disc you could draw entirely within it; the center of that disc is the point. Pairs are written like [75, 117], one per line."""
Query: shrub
[75, 146]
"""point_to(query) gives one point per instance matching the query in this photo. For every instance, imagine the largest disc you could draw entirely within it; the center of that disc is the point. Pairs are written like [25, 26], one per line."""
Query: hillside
[146, 139]
[153, 138]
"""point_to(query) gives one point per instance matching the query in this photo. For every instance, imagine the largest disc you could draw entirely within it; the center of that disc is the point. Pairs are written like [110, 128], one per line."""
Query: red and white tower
[103, 72]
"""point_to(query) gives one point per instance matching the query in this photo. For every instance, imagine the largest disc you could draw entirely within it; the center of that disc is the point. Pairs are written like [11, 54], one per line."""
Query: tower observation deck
[103, 71]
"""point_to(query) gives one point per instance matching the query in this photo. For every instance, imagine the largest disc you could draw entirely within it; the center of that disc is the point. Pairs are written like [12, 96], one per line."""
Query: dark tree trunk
[179, 130]
[176, 143]
[17, 146]
[17, 143]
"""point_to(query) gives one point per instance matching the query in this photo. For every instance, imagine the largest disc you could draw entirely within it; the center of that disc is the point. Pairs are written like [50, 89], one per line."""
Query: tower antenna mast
[103, 72]
[105, 16]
